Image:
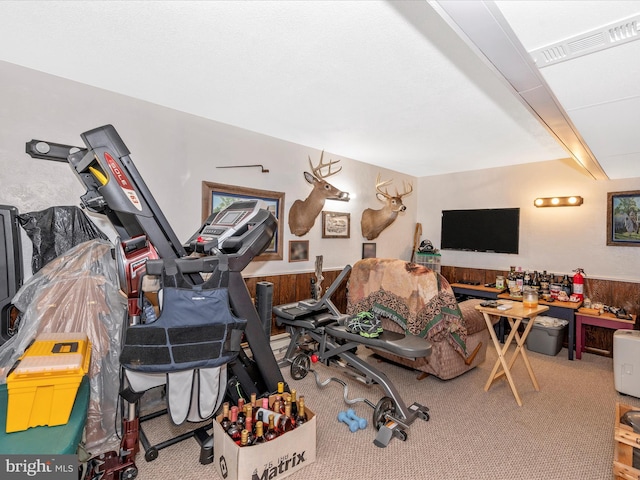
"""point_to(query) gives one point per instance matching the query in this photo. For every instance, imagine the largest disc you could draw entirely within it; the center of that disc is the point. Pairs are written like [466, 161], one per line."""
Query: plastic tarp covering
[79, 292]
[55, 230]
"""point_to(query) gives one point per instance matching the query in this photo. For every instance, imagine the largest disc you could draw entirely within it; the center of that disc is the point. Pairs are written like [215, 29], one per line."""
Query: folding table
[514, 315]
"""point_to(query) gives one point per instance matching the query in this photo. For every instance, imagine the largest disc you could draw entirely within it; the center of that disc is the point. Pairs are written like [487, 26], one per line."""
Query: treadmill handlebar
[56, 152]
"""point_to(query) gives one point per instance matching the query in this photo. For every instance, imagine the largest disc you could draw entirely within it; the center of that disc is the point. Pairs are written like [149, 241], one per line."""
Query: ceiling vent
[605, 37]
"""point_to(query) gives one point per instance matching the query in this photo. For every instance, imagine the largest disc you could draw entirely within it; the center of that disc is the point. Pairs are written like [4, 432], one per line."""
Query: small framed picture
[336, 225]
[368, 250]
[298, 250]
[623, 219]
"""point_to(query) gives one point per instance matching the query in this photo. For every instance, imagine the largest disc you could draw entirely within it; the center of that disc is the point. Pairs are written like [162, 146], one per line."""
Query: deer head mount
[303, 213]
[375, 221]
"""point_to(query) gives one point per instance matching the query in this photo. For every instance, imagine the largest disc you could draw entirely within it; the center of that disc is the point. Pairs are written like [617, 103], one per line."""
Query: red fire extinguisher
[578, 283]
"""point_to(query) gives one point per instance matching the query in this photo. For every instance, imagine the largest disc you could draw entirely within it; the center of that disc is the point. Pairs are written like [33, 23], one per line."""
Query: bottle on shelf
[519, 279]
[526, 279]
[271, 432]
[535, 281]
[544, 283]
[511, 280]
[566, 285]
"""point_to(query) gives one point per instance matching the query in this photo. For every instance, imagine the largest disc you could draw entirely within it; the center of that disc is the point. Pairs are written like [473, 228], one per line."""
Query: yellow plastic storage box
[42, 386]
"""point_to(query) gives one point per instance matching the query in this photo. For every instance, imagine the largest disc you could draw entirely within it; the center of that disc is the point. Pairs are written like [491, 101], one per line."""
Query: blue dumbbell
[362, 423]
[353, 425]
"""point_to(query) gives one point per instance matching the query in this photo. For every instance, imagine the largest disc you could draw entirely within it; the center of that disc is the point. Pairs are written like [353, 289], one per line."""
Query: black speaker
[264, 305]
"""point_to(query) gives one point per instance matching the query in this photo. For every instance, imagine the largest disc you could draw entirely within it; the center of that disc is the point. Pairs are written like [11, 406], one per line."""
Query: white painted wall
[554, 239]
[175, 152]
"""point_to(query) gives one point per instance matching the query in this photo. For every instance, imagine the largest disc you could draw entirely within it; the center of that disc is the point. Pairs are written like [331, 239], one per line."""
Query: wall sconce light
[574, 201]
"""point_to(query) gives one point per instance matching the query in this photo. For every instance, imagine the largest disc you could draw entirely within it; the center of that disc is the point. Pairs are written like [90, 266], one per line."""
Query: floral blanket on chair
[418, 299]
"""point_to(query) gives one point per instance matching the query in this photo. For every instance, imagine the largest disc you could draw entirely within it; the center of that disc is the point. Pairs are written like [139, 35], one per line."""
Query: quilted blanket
[418, 299]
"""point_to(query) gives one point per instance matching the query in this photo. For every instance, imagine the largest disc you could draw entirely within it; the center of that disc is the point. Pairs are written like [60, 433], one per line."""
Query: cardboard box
[276, 459]
[43, 384]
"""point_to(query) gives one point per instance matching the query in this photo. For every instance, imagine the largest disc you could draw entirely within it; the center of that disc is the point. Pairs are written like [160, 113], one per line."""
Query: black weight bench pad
[408, 346]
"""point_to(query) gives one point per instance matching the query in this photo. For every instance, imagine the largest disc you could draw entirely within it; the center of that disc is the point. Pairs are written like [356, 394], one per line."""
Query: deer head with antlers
[375, 221]
[303, 213]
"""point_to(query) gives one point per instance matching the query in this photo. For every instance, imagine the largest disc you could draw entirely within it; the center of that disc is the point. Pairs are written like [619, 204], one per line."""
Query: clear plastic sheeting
[78, 292]
[55, 230]
[550, 322]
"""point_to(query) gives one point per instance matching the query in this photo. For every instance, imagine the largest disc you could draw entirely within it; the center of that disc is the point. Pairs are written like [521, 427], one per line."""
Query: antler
[380, 184]
[406, 192]
[317, 170]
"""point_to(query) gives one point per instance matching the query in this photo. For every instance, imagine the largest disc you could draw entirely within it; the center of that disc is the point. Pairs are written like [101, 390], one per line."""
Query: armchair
[414, 299]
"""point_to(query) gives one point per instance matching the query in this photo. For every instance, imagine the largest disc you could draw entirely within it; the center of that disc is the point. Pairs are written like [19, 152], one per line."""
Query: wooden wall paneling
[491, 275]
[473, 275]
[597, 290]
[291, 288]
[625, 295]
[599, 340]
[449, 273]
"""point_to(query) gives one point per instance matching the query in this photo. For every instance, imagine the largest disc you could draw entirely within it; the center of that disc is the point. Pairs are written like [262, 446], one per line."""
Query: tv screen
[482, 230]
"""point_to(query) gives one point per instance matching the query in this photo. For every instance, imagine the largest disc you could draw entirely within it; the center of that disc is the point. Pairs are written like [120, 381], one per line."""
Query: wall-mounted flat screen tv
[494, 230]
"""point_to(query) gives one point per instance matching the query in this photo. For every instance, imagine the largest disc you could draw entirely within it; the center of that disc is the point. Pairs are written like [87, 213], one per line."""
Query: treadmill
[115, 188]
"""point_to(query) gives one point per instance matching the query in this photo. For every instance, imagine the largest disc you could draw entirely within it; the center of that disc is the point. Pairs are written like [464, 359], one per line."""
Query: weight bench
[318, 333]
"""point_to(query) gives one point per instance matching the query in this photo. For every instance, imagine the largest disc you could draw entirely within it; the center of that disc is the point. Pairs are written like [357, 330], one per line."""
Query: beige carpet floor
[564, 431]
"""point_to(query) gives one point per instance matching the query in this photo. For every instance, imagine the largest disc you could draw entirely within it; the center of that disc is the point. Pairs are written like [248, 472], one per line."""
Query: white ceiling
[388, 83]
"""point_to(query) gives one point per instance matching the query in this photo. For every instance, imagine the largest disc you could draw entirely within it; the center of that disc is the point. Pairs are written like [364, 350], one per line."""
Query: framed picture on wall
[336, 225]
[298, 250]
[368, 250]
[216, 197]
[623, 218]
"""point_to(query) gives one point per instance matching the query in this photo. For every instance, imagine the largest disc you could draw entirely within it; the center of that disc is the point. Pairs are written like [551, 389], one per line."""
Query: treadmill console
[229, 222]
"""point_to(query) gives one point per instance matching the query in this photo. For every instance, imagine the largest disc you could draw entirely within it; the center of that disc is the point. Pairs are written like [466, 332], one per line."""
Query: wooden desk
[479, 291]
[515, 316]
[606, 320]
[563, 310]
